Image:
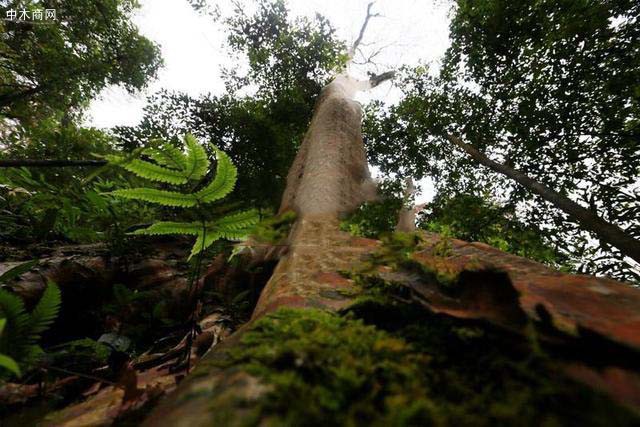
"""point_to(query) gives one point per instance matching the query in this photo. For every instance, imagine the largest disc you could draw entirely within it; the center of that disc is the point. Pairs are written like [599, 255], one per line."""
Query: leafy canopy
[548, 87]
[60, 65]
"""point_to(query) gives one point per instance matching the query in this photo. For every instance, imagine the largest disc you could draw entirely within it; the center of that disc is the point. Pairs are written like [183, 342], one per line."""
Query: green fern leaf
[203, 241]
[160, 197]
[238, 221]
[44, 312]
[197, 160]
[223, 183]
[167, 227]
[167, 155]
[175, 167]
[18, 270]
[154, 172]
[235, 235]
[12, 309]
[236, 226]
[10, 364]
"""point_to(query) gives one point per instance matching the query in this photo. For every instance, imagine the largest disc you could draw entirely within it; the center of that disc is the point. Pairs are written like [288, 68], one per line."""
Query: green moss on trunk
[381, 364]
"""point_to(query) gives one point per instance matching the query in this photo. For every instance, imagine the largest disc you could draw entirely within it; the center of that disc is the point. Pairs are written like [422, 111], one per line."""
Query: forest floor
[122, 337]
[497, 335]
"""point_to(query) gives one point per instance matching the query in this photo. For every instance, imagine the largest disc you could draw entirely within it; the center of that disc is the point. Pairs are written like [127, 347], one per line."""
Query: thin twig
[79, 374]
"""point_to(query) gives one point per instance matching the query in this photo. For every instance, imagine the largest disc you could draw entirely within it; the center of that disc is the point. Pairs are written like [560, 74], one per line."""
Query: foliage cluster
[379, 217]
[172, 166]
[49, 73]
[19, 341]
[475, 219]
[53, 70]
[261, 118]
[548, 88]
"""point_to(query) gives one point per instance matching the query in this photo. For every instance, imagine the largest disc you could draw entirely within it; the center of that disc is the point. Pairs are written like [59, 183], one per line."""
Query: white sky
[412, 32]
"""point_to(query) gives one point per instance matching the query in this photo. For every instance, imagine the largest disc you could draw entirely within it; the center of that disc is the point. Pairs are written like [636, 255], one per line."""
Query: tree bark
[605, 231]
[407, 215]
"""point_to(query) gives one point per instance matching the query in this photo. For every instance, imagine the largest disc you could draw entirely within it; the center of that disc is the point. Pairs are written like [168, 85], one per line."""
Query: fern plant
[19, 343]
[170, 165]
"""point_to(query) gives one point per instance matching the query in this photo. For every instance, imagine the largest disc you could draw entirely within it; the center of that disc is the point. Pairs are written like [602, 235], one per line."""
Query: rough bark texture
[330, 176]
[605, 231]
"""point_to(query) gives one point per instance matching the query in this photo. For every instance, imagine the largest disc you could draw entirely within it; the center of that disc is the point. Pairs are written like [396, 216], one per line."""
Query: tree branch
[376, 79]
[352, 51]
[29, 163]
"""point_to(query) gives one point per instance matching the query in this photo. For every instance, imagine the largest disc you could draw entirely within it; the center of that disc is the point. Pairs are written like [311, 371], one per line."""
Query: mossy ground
[399, 365]
[385, 361]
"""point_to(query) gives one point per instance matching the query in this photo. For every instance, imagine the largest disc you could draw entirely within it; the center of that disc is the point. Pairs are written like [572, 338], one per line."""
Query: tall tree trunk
[605, 231]
[328, 179]
[407, 215]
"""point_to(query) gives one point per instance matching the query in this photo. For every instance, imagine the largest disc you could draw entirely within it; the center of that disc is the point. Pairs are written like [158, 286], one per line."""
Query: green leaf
[239, 220]
[9, 364]
[203, 242]
[12, 309]
[168, 227]
[160, 197]
[45, 311]
[197, 160]
[223, 183]
[18, 270]
[168, 155]
[154, 172]
[235, 235]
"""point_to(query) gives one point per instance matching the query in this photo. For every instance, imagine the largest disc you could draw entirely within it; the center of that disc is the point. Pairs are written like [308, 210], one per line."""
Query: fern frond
[18, 270]
[12, 309]
[6, 361]
[44, 312]
[167, 155]
[223, 183]
[239, 220]
[14, 341]
[234, 234]
[10, 364]
[154, 172]
[203, 242]
[175, 167]
[168, 227]
[197, 163]
[160, 197]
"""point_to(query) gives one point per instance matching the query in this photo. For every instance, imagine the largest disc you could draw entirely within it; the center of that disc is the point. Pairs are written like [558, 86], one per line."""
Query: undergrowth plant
[19, 341]
[171, 165]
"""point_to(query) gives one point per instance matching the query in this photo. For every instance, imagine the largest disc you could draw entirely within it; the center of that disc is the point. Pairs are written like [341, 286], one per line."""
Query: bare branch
[50, 163]
[352, 51]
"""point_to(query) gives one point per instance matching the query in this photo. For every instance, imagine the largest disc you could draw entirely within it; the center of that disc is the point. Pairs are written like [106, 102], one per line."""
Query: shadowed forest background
[131, 250]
